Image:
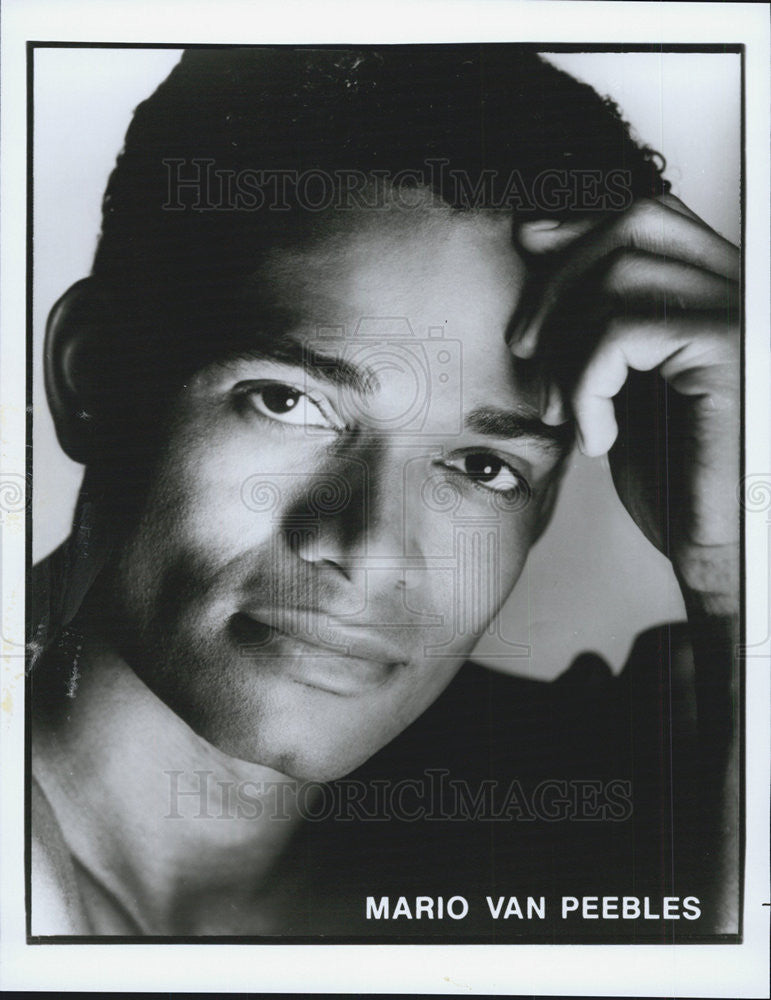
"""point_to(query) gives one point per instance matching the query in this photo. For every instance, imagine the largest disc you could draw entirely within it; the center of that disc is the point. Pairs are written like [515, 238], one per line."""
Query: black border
[395, 939]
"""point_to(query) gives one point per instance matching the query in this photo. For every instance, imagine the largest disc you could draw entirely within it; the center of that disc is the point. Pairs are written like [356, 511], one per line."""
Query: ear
[74, 365]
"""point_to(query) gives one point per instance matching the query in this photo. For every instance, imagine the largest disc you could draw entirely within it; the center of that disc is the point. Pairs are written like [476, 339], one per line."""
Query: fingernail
[542, 224]
[544, 395]
[515, 332]
[554, 411]
[523, 347]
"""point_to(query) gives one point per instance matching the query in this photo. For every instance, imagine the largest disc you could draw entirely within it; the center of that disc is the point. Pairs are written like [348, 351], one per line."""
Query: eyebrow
[325, 367]
[493, 421]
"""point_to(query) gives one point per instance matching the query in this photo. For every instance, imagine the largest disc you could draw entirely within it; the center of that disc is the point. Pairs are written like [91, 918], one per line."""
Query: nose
[351, 516]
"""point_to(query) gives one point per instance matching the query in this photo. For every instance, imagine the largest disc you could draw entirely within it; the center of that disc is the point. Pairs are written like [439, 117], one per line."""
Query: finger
[542, 236]
[695, 355]
[673, 202]
[551, 235]
[636, 275]
[678, 206]
[634, 281]
[637, 286]
[649, 226]
[556, 411]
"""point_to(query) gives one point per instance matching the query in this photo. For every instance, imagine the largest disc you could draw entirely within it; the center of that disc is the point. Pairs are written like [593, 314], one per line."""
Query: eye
[286, 404]
[489, 472]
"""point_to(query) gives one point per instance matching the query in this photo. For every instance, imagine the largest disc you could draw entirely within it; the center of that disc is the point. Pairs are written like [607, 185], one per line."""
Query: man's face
[336, 518]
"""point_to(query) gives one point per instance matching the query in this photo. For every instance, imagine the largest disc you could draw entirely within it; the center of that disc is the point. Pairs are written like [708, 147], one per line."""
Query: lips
[314, 649]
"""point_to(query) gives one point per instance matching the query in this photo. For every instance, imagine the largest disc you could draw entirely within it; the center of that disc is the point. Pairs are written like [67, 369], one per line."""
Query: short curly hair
[484, 110]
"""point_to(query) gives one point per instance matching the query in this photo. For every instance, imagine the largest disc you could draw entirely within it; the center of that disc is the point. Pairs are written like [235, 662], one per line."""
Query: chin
[308, 758]
[307, 723]
[300, 732]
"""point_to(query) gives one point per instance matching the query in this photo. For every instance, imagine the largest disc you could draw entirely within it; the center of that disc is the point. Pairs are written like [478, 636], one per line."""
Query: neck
[165, 830]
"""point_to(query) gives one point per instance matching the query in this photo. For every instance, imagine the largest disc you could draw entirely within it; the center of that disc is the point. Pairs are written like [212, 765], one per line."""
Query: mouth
[304, 647]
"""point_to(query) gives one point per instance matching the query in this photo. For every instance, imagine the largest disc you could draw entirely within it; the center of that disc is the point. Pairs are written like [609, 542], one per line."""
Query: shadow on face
[341, 505]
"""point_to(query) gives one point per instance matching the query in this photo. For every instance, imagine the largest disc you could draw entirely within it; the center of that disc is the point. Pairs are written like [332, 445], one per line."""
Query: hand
[635, 318]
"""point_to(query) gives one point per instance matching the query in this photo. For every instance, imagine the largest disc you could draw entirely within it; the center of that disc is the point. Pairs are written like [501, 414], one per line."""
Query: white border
[682, 971]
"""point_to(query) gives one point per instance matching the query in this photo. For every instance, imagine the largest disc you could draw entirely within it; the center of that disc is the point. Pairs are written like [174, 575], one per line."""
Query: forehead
[369, 278]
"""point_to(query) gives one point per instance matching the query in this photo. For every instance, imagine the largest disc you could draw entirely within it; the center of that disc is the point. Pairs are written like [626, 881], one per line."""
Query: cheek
[489, 561]
[222, 492]
[204, 512]
[470, 567]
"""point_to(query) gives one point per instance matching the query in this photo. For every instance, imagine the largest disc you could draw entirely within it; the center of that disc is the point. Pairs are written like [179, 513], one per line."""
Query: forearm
[711, 596]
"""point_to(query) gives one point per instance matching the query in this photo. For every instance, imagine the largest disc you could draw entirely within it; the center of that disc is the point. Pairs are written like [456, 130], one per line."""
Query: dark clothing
[587, 786]
[573, 788]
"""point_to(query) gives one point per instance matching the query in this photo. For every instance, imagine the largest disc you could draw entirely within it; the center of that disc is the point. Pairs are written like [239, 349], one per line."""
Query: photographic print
[324, 378]
[386, 494]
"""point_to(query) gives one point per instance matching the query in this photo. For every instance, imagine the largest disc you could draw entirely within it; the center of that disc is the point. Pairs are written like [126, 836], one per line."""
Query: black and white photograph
[389, 480]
